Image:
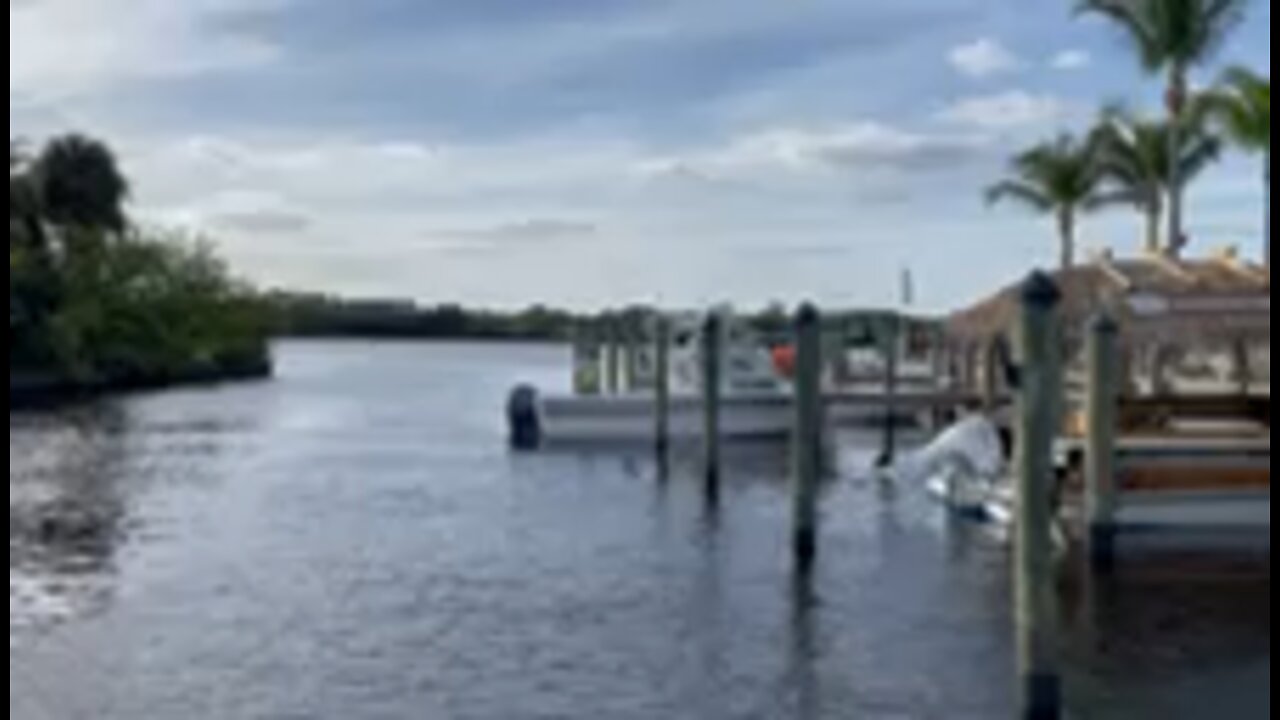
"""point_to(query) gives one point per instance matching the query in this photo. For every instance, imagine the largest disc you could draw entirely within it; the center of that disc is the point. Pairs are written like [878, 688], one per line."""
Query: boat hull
[632, 418]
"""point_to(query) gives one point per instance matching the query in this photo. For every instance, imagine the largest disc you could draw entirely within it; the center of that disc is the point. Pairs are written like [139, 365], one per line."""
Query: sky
[588, 153]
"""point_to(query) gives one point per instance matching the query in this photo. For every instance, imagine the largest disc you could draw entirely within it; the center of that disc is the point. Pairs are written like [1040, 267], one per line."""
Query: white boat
[964, 469]
[756, 400]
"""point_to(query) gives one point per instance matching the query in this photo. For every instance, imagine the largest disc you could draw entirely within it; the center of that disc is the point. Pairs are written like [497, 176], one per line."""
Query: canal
[353, 541]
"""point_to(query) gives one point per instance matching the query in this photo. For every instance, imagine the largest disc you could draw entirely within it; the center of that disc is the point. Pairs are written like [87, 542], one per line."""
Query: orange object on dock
[784, 360]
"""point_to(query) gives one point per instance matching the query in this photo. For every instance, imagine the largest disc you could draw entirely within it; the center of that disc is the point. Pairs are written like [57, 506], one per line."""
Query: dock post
[990, 375]
[712, 351]
[940, 361]
[1242, 367]
[627, 366]
[807, 443]
[1102, 402]
[1036, 426]
[612, 371]
[889, 451]
[586, 363]
[970, 367]
[662, 386]
[1162, 357]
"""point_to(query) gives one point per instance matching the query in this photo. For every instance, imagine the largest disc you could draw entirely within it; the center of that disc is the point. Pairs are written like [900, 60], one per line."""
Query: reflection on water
[353, 541]
[66, 515]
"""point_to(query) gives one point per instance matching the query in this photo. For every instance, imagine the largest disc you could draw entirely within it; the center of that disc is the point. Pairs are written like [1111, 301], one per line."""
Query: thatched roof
[1154, 298]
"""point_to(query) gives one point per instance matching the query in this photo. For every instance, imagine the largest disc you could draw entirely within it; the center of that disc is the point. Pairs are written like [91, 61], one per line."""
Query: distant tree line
[96, 301]
[299, 315]
[316, 316]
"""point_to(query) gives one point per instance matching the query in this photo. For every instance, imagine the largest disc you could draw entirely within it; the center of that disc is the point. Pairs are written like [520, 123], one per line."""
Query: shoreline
[35, 391]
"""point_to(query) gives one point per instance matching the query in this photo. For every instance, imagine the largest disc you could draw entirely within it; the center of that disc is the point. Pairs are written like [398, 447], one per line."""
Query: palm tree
[1060, 178]
[1173, 37]
[79, 185]
[1134, 158]
[1241, 105]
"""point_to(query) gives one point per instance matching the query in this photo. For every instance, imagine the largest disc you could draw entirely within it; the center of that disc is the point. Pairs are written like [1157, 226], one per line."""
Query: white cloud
[1071, 60]
[839, 148]
[1013, 110]
[983, 58]
[67, 48]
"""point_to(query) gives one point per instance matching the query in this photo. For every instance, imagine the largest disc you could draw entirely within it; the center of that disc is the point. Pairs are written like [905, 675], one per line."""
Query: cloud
[983, 58]
[1012, 110]
[1071, 60]
[837, 148]
[533, 231]
[71, 48]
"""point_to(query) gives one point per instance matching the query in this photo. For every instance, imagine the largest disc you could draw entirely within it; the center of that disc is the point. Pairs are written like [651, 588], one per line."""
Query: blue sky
[594, 152]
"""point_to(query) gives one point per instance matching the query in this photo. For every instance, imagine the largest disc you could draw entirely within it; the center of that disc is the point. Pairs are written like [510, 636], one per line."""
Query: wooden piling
[662, 386]
[1242, 367]
[1102, 425]
[940, 363]
[990, 375]
[889, 450]
[970, 365]
[1038, 416]
[712, 363]
[626, 365]
[1161, 359]
[807, 440]
[586, 363]
[612, 359]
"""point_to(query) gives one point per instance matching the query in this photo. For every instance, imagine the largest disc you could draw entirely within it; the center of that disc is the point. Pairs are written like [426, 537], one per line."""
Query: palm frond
[1172, 33]
[1241, 105]
[1135, 19]
[1113, 197]
[1019, 192]
[1198, 153]
[1218, 19]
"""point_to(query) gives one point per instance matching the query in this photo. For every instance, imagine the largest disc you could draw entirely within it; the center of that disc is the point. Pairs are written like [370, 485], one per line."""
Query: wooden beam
[1105, 261]
[1172, 268]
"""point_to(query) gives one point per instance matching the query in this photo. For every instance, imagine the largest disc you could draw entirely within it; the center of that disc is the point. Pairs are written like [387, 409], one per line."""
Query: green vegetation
[1063, 179]
[1143, 163]
[1134, 157]
[1241, 106]
[95, 302]
[1173, 37]
[319, 316]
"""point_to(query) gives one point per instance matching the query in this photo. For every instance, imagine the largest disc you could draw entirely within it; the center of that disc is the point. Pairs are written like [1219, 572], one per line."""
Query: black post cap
[807, 315]
[1040, 290]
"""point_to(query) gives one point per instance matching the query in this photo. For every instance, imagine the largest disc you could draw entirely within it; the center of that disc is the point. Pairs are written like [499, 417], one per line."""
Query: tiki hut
[1187, 325]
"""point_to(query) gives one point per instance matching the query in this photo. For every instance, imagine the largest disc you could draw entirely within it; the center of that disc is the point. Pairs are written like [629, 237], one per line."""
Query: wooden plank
[1190, 478]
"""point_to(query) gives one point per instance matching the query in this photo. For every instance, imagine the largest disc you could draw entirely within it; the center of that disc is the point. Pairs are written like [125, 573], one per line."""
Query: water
[354, 541]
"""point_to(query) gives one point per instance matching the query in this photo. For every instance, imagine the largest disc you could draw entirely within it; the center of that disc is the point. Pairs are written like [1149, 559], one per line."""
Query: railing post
[586, 363]
[1038, 415]
[807, 441]
[612, 359]
[662, 386]
[1103, 367]
[712, 353]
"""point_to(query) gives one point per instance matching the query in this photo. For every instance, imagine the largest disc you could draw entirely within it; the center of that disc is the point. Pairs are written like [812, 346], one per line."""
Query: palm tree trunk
[1154, 214]
[1177, 99]
[1067, 237]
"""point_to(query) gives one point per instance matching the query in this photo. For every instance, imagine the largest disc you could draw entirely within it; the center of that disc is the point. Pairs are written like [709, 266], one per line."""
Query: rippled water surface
[353, 541]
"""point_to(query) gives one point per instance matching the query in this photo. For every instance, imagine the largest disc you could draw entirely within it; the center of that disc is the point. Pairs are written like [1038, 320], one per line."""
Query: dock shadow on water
[354, 541]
